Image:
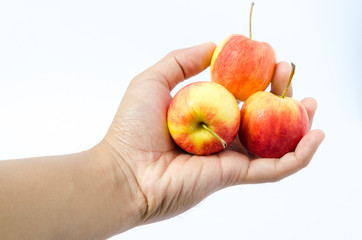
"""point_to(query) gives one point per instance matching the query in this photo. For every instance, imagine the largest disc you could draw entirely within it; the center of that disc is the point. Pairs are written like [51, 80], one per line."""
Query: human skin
[136, 174]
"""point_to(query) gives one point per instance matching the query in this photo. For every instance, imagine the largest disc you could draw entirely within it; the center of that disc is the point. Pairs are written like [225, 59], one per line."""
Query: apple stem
[224, 144]
[290, 79]
[251, 12]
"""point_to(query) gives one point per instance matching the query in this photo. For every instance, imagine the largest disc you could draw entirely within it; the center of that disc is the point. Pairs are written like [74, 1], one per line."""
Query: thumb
[181, 64]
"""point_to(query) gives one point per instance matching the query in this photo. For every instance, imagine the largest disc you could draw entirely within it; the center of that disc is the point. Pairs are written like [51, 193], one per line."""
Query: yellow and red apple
[242, 65]
[271, 125]
[203, 118]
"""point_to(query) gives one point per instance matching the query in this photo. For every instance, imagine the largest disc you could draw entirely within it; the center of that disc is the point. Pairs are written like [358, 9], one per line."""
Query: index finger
[280, 79]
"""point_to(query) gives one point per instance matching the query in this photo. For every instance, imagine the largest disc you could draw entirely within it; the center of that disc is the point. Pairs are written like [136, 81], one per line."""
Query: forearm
[77, 196]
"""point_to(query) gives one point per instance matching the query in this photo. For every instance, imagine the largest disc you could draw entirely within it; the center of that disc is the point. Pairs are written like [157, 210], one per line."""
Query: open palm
[169, 180]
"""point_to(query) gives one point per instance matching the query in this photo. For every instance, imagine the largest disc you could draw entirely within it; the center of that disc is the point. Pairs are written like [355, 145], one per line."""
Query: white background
[65, 65]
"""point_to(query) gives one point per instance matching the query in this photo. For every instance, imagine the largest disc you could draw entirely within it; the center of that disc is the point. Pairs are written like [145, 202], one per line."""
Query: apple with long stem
[242, 65]
[203, 118]
[271, 125]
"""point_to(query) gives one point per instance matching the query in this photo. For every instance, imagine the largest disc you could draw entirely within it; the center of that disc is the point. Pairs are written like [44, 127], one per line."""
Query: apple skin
[243, 66]
[271, 126]
[208, 103]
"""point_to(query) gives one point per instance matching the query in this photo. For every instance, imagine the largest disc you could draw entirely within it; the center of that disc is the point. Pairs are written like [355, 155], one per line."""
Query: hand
[167, 181]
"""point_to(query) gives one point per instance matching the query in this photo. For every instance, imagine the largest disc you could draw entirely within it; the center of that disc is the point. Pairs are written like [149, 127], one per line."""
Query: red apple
[203, 118]
[271, 125]
[242, 65]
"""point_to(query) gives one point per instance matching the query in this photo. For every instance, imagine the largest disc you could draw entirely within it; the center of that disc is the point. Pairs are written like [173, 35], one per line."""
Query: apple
[271, 125]
[242, 65]
[203, 118]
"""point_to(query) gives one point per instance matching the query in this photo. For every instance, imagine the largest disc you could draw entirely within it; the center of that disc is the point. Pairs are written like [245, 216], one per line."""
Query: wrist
[126, 201]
